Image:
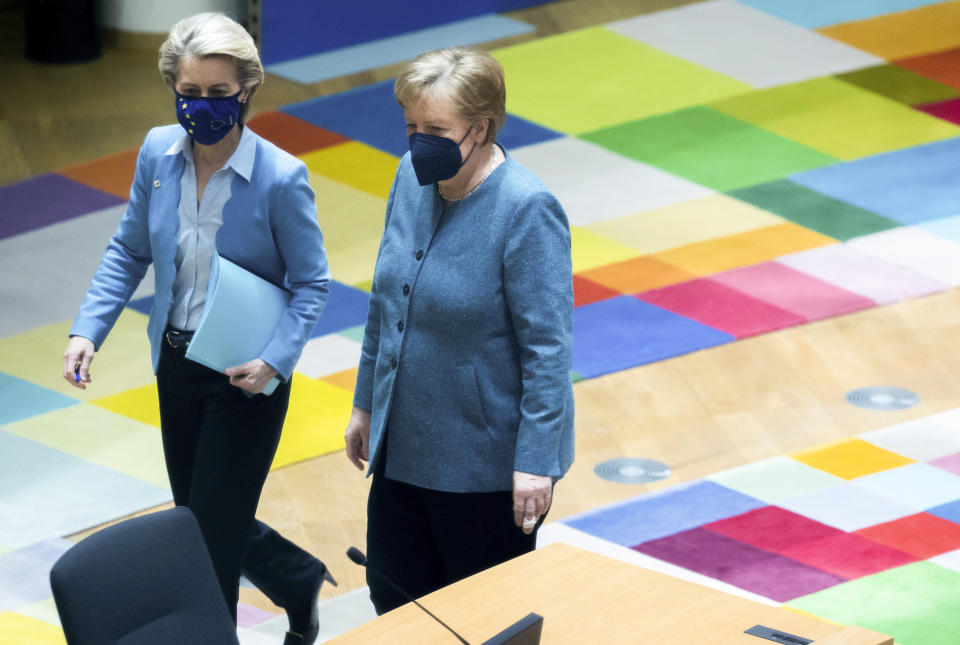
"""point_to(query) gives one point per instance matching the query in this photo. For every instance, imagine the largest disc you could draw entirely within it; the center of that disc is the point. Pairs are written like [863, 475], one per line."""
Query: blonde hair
[212, 34]
[470, 77]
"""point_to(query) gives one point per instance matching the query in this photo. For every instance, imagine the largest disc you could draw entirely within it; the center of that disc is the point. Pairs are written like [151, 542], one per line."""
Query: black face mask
[436, 158]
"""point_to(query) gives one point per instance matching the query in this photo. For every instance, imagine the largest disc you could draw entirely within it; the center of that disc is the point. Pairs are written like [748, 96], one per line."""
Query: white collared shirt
[199, 223]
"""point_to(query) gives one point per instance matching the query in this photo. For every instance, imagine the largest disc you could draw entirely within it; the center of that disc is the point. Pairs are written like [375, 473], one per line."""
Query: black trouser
[425, 539]
[218, 444]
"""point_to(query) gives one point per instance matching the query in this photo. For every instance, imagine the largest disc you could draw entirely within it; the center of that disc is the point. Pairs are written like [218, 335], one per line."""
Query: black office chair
[145, 581]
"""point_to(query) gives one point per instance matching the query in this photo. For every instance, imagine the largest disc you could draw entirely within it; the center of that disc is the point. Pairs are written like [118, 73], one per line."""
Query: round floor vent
[882, 397]
[629, 470]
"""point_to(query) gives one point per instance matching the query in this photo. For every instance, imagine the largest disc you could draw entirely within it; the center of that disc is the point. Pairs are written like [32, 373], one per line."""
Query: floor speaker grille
[630, 470]
[882, 397]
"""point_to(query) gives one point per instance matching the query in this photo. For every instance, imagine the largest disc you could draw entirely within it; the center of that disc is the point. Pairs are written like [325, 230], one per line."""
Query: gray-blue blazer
[467, 348]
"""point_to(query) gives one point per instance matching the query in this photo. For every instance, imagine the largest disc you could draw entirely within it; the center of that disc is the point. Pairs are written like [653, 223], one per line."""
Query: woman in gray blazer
[463, 404]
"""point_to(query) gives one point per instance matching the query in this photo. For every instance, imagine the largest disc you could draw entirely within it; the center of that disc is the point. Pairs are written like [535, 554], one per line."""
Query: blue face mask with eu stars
[436, 158]
[208, 119]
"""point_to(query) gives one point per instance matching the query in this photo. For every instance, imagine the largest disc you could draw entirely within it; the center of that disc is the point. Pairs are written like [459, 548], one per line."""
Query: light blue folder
[239, 318]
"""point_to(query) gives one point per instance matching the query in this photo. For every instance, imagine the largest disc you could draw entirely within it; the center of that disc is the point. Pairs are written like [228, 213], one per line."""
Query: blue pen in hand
[76, 372]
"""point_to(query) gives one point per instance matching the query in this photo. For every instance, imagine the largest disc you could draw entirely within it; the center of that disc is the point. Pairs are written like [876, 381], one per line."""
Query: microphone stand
[357, 556]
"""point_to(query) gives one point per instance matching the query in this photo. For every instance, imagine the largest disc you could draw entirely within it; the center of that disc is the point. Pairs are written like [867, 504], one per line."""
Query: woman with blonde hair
[211, 186]
[463, 404]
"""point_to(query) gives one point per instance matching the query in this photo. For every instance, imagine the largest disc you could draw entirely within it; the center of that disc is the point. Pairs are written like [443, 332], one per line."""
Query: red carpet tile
[948, 110]
[294, 135]
[921, 535]
[721, 307]
[772, 528]
[847, 555]
[586, 291]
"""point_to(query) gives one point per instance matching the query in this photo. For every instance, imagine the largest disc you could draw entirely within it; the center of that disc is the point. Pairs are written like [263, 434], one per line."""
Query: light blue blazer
[467, 350]
[269, 227]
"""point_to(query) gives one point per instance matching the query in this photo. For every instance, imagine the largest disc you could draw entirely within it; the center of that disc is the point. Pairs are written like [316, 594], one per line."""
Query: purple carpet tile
[47, 199]
[25, 572]
[774, 576]
[249, 616]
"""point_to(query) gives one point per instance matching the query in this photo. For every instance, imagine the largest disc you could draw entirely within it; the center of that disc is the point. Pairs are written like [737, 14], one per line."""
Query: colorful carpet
[864, 531]
[729, 169]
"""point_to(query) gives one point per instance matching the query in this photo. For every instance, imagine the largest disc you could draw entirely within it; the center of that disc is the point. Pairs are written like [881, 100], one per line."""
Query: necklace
[495, 159]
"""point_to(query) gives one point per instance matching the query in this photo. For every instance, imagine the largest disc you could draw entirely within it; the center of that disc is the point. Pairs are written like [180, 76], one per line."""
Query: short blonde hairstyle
[470, 77]
[212, 34]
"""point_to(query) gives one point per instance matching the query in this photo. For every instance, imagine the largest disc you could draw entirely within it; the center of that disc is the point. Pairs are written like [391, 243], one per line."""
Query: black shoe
[305, 621]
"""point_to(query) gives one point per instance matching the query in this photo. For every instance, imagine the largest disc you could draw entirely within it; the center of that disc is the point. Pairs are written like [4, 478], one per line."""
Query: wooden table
[587, 598]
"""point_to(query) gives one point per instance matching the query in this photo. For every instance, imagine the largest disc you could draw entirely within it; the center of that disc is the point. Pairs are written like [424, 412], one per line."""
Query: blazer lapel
[164, 216]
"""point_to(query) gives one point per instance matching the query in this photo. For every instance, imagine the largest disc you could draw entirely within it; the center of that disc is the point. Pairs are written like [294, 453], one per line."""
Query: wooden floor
[700, 413]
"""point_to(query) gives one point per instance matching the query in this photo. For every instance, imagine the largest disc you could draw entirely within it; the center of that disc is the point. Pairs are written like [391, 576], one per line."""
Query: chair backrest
[147, 580]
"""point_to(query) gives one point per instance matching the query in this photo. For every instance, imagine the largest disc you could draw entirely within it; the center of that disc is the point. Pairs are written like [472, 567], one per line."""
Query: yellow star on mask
[188, 116]
[190, 131]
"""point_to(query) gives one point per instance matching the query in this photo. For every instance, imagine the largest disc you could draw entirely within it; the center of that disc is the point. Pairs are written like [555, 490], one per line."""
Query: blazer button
[419, 255]
[400, 325]
[406, 289]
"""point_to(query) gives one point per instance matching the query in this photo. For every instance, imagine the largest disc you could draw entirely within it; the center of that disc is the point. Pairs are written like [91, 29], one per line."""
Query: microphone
[357, 556]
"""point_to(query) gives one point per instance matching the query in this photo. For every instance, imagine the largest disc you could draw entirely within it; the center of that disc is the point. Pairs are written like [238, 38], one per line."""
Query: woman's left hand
[531, 498]
[252, 376]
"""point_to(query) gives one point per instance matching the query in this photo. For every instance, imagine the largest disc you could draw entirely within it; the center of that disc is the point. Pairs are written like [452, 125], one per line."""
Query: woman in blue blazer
[207, 186]
[463, 404]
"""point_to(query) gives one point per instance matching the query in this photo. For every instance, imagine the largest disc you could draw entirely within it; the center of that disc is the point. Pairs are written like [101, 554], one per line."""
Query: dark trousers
[218, 444]
[425, 539]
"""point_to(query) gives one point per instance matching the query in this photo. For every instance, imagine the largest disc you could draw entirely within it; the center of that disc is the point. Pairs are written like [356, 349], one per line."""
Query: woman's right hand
[357, 437]
[79, 352]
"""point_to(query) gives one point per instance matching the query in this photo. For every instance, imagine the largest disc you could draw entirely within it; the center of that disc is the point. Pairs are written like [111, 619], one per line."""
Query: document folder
[239, 318]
